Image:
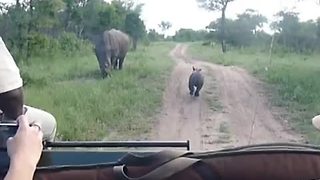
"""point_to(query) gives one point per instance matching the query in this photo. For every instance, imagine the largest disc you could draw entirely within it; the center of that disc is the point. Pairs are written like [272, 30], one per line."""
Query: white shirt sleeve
[10, 78]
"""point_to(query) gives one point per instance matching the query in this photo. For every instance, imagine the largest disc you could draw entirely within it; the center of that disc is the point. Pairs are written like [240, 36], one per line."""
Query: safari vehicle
[142, 160]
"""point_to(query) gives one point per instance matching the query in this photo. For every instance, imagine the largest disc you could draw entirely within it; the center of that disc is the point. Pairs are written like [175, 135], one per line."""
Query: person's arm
[24, 150]
[20, 171]
[11, 92]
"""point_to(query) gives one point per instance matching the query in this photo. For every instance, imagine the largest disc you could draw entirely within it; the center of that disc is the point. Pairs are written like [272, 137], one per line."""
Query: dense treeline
[190, 35]
[296, 36]
[47, 27]
[291, 35]
[247, 30]
[182, 35]
[153, 35]
[243, 31]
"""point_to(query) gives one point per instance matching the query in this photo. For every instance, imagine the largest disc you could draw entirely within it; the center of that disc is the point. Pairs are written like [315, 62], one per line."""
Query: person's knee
[46, 120]
[49, 127]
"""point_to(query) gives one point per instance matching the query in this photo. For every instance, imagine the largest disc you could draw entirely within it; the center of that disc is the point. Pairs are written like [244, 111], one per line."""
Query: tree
[42, 27]
[13, 26]
[252, 19]
[135, 27]
[218, 5]
[165, 26]
[318, 28]
[316, 1]
[153, 35]
[243, 31]
[188, 35]
[133, 24]
[300, 37]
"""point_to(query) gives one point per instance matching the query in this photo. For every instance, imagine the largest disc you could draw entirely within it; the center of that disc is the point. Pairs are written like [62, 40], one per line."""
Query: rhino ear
[193, 68]
[199, 69]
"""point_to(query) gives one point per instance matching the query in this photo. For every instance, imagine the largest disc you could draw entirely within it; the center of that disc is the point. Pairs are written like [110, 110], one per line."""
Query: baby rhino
[196, 81]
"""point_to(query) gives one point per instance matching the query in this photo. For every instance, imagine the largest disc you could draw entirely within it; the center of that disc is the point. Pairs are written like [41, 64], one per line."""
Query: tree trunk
[68, 16]
[270, 51]
[223, 26]
[67, 20]
[30, 27]
[19, 37]
[135, 42]
[80, 32]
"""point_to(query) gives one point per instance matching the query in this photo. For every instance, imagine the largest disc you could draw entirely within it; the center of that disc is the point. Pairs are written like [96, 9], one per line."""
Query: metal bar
[109, 144]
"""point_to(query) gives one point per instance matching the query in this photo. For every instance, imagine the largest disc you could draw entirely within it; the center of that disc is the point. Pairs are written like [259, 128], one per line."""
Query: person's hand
[24, 149]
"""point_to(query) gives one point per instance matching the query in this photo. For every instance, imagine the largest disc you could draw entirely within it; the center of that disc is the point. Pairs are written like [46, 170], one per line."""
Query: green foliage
[99, 16]
[165, 26]
[296, 36]
[252, 19]
[243, 31]
[45, 13]
[153, 35]
[189, 35]
[291, 34]
[135, 27]
[41, 44]
[214, 5]
[70, 44]
[45, 27]
[66, 43]
[318, 28]
[218, 5]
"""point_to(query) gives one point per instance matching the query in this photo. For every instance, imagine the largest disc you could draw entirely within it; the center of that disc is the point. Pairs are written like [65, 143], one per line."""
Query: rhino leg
[106, 67]
[121, 60]
[117, 63]
[191, 88]
[114, 63]
[197, 93]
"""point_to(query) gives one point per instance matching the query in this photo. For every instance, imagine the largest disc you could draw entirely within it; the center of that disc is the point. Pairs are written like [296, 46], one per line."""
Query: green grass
[88, 107]
[212, 95]
[223, 128]
[294, 80]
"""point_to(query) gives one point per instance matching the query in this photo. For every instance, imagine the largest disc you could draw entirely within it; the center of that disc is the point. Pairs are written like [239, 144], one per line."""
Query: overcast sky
[187, 14]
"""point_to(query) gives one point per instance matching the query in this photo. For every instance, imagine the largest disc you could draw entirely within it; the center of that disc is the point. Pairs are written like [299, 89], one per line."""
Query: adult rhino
[111, 49]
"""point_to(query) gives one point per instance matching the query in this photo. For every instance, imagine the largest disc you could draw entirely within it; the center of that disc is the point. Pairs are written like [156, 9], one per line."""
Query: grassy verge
[90, 108]
[294, 79]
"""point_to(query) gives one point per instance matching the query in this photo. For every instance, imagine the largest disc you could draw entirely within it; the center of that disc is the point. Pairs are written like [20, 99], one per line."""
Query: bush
[146, 42]
[39, 44]
[68, 44]
[31, 80]
[71, 45]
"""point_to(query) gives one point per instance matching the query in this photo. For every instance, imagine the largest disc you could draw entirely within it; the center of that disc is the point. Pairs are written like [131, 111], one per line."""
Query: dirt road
[232, 109]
